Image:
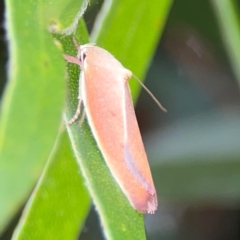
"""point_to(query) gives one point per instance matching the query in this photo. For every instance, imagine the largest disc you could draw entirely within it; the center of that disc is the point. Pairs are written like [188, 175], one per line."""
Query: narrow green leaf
[33, 100]
[229, 23]
[59, 204]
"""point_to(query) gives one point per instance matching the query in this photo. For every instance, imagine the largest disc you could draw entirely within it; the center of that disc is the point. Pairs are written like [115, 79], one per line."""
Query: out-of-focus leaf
[229, 22]
[132, 39]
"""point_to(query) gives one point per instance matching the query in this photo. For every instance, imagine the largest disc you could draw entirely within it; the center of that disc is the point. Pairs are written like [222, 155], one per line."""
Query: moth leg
[75, 43]
[82, 118]
[76, 115]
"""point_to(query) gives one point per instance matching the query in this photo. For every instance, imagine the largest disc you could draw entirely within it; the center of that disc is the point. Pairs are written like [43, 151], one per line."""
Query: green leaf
[59, 204]
[119, 219]
[229, 23]
[32, 104]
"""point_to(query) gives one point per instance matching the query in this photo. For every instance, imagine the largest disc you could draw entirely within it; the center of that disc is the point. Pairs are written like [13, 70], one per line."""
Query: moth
[105, 94]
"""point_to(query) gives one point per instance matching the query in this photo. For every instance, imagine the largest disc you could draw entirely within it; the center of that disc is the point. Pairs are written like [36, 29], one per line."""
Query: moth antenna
[151, 95]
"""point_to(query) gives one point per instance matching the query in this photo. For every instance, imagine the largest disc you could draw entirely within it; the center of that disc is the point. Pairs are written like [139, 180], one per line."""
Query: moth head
[82, 51]
[81, 56]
